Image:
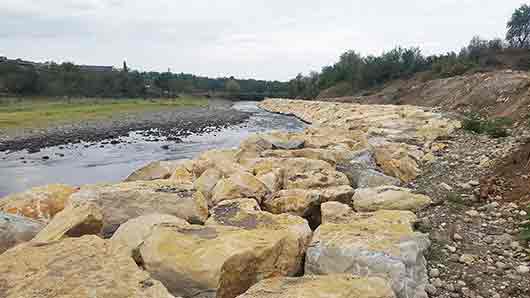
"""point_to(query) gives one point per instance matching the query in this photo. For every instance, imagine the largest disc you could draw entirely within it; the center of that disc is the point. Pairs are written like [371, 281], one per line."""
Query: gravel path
[475, 250]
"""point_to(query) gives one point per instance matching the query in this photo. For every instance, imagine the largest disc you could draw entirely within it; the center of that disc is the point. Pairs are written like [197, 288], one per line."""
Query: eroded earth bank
[375, 201]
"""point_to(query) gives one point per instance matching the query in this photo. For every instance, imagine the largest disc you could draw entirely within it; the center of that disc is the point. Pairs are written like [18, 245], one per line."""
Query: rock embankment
[321, 213]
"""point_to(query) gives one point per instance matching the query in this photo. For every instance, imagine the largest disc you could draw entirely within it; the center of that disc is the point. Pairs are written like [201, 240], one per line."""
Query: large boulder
[218, 261]
[332, 137]
[330, 286]
[389, 198]
[76, 220]
[252, 147]
[362, 171]
[40, 203]
[84, 267]
[332, 157]
[320, 178]
[273, 180]
[239, 185]
[399, 160]
[132, 233]
[182, 175]
[291, 166]
[381, 243]
[301, 173]
[123, 201]
[306, 202]
[336, 212]
[246, 214]
[15, 229]
[207, 182]
[226, 160]
[155, 170]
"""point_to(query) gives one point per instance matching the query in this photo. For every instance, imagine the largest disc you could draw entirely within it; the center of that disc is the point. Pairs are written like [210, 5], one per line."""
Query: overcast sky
[264, 39]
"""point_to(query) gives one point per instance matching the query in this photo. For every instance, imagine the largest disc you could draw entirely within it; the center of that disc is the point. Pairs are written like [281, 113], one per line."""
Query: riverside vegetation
[28, 112]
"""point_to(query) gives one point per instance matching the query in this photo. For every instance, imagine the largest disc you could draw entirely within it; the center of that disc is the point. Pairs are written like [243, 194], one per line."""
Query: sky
[262, 39]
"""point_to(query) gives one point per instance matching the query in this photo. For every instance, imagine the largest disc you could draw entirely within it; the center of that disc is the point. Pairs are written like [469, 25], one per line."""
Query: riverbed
[78, 164]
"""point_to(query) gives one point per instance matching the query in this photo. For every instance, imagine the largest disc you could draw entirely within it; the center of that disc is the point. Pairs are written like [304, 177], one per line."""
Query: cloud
[264, 39]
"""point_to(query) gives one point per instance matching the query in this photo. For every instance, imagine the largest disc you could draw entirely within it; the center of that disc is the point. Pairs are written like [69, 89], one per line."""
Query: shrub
[525, 234]
[495, 128]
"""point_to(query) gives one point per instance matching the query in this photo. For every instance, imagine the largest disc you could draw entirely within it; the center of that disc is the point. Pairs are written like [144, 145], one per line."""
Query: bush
[495, 128]
[525, 234]
[523, 64]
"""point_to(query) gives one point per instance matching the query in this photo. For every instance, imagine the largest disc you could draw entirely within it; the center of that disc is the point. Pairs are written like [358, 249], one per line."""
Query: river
[76, 164]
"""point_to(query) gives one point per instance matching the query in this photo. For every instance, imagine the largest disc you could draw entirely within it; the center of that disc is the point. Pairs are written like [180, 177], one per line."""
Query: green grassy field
[38, 112]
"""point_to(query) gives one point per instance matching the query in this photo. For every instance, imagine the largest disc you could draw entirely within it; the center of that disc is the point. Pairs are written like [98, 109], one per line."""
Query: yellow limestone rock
[218, 261]
[336, 212]
[252, 147]
[207, 181]
[301, 173]
[182, 175]
[224, 160]
[399, 160]
[40, 203]
[239, 185]
[393, 122]
[389, 198]
[84, 267]
[246, 214]
[155, 170]
[123, 201]
[77, 219]
[132, 233]
[306, 202]
[330, 286]
[382, 243]
[273, 180]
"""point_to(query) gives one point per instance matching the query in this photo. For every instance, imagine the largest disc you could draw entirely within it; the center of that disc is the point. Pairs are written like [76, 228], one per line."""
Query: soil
[511, 178]
[474, 224]
[500, 93]
[171, 124]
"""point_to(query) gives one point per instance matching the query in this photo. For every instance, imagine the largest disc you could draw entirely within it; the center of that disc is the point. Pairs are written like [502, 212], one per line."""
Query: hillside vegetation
[356, 75]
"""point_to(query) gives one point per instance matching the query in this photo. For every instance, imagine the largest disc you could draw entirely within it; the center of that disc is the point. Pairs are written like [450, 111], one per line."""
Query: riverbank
[281, 205]
[38, 125]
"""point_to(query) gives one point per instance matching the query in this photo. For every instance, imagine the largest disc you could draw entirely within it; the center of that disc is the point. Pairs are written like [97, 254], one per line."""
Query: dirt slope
[498, 94]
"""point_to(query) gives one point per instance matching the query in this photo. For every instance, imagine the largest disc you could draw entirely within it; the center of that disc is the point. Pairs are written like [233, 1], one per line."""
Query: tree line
[364, 72]
[67, 79]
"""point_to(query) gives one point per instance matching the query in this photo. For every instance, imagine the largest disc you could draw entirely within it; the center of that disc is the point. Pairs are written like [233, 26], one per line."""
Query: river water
[76, 164]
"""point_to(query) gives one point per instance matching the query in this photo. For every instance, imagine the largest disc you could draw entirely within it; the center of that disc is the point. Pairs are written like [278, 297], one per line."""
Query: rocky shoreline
[172, 124]
[350, 207]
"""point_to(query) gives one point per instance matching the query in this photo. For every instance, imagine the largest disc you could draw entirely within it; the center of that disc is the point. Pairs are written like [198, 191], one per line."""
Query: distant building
[96, 68]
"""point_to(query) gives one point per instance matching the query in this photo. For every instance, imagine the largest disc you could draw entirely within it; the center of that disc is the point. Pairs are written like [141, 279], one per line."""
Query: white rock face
[373, 244]
[388, 198]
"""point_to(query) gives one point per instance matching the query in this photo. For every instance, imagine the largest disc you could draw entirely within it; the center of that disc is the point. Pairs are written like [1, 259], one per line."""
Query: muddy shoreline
[171, 124]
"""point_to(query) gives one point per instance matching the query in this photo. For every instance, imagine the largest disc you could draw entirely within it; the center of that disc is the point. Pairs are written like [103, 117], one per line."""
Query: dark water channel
[76, 164]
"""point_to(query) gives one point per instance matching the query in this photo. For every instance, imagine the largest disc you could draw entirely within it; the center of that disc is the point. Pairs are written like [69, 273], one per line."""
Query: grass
[496, 128]
[525, 233]
[38, 112]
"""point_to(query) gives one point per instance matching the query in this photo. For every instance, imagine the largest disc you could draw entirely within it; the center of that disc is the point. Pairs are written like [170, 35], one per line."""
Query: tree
[350, 65]
[518, 34]
[232, 87]
[125, 68]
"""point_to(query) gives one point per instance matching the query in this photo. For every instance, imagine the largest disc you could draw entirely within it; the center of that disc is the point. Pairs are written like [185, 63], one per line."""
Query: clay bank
[324, 212]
